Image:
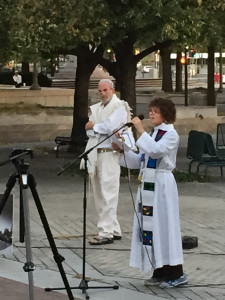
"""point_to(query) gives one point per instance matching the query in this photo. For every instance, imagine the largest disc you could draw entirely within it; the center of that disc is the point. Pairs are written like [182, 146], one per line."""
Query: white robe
[106, 119]
[166, 246]
[104, 168]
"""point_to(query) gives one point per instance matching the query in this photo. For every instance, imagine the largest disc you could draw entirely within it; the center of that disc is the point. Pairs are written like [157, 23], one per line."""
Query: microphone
[141, 117]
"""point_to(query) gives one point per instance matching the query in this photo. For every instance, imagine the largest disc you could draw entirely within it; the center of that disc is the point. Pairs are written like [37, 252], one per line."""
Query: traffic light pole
[185, 80]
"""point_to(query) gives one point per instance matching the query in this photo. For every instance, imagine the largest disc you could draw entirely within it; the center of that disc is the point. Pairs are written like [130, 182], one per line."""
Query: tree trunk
[124, 71]
[52, 67]
[126, 82]
[160, 66]
[178, 72]
[35, 85]
[211, 98]
[85, 67]
[167, 85]
[25, 67]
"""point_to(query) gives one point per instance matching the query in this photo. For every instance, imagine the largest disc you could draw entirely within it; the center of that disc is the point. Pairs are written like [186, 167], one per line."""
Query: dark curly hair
[167, 109]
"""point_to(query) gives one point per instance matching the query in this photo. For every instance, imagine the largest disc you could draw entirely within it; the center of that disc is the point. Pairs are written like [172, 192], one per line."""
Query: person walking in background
[156, 241]
[17, 78]
[103, 167]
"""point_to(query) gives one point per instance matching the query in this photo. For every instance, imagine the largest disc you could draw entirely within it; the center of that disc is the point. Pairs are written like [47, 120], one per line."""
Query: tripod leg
[21, 220]
[10, 184]
[29, 266]
[57, 257]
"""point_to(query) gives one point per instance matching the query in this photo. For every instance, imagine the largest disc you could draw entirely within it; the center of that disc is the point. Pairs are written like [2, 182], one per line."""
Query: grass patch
[190, 177]
[180, 176]
[25, 108]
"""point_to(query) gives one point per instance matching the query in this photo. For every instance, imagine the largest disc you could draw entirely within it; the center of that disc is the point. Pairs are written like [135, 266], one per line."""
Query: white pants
[105, 186]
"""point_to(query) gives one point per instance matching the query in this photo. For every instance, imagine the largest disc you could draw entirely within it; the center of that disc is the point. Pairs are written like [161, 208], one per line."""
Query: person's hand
[138, 124]
[89, 125]
[116, 133]
[116, 147]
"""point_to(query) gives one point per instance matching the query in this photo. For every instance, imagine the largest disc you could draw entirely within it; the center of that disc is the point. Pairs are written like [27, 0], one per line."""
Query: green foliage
[30, 28]
[39, 27]
[6, 10]
[212, 22]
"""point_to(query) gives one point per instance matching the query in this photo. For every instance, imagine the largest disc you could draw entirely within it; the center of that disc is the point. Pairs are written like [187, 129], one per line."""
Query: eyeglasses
[153, 112]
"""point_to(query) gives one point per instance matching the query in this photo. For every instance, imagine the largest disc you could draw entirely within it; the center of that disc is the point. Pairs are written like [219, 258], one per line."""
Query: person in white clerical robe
[156, 246]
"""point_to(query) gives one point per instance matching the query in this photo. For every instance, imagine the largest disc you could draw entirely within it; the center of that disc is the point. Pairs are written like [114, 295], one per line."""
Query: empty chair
[201, 149]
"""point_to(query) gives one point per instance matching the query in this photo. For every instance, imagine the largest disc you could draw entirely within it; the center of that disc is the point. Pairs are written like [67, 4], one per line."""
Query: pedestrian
[156, 241]
[103, 166]
[217, 77]
[17, 78]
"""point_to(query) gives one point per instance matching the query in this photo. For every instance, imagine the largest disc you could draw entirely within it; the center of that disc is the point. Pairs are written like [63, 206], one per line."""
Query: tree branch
[153, 48]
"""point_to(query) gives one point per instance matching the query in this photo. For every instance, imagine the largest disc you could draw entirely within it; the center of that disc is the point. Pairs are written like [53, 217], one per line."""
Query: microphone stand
[84, 154]
[84, 283]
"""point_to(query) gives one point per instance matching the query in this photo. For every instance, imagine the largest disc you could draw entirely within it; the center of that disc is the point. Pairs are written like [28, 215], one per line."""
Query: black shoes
[100, 240]
[117, 237]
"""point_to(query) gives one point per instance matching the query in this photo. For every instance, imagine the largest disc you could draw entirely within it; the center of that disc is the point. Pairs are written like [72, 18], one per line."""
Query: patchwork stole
[146, 204]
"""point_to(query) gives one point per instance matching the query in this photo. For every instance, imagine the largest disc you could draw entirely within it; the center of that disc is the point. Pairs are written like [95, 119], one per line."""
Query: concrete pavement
[202, 214]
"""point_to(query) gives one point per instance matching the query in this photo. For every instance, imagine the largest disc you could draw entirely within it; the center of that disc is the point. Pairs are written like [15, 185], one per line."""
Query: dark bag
[189, 242]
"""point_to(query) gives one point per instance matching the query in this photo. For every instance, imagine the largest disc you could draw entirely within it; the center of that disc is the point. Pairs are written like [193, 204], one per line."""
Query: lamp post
[109, 54]
[220, 90]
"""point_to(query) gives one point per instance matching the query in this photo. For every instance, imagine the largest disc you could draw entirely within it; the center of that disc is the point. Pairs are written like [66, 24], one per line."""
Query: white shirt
[17, 78]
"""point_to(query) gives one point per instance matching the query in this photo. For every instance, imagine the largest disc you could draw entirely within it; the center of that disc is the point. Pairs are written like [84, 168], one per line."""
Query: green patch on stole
[149, 186]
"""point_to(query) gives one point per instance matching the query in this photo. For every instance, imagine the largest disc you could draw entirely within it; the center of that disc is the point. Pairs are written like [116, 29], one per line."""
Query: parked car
[146, 69]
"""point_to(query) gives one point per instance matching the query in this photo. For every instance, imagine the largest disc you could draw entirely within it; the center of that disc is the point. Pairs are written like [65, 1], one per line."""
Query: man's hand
[116, 133]
[116, 147]
[89, 125]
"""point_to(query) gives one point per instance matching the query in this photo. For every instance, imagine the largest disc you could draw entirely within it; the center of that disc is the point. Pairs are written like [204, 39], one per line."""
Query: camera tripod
[25, 180]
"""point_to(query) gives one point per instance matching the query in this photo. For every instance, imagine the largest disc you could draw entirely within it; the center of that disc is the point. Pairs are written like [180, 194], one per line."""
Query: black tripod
[84, 283]
[26, 180]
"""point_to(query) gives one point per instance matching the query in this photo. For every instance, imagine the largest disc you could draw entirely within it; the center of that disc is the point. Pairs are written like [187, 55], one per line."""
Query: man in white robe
[104, 169]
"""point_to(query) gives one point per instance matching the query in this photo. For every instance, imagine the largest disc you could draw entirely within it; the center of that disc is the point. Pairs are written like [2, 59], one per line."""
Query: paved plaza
[202, 208]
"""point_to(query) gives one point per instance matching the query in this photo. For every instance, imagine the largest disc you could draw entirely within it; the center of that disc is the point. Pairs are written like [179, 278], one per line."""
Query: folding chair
[220, 140]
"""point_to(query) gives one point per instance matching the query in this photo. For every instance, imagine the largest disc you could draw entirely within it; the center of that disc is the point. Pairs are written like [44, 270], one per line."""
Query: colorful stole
[146, 201]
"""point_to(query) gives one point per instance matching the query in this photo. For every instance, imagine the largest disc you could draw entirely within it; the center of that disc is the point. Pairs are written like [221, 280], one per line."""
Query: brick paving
[202, 207]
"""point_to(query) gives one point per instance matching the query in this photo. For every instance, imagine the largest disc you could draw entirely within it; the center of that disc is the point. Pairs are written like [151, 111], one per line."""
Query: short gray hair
[107, 81]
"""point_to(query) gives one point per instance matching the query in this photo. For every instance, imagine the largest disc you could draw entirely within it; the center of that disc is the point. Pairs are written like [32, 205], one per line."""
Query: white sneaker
[174, 283]
[152, 281]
